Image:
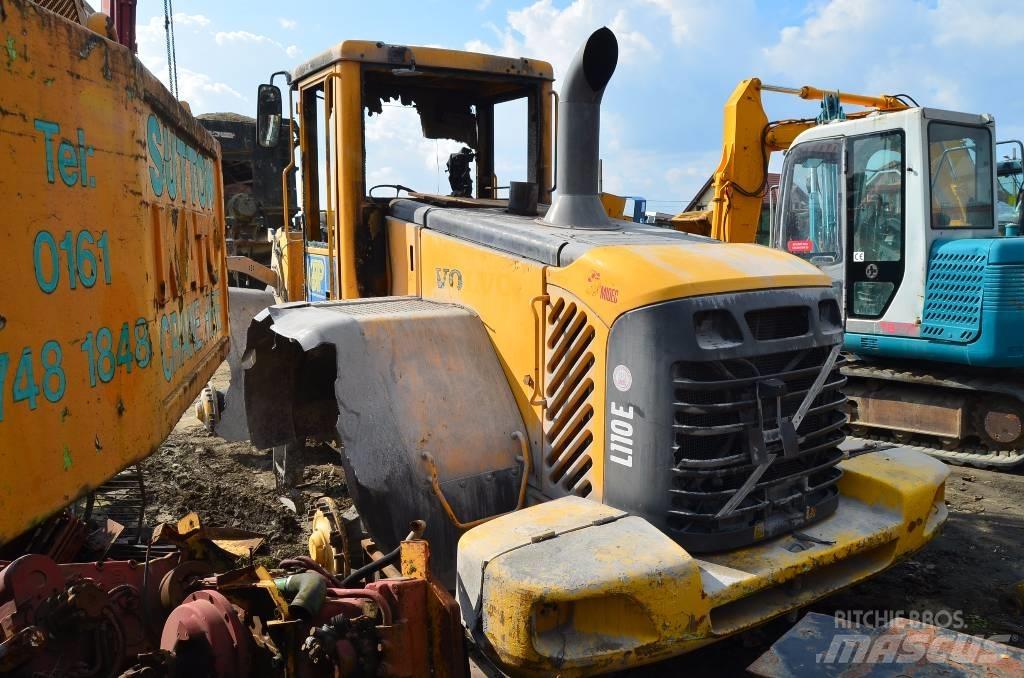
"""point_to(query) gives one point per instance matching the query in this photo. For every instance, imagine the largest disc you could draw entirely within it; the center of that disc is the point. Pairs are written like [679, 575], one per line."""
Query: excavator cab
[907, 211]
[869, 200]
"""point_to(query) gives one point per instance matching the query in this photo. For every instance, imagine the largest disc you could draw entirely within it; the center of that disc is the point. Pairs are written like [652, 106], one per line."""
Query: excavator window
[1010, 180]
[960, 160]
[811, 200]
[876, 196]
[875, 168]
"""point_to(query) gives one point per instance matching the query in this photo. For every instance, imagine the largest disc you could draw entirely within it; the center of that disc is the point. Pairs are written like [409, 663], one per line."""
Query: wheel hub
[1002, 427]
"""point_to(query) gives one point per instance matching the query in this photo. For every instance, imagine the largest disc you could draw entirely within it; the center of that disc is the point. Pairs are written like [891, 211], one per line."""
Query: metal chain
[172, 62]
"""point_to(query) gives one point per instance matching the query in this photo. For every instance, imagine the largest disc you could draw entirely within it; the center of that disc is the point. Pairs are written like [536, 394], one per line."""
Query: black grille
[715, 416]
[778, 323]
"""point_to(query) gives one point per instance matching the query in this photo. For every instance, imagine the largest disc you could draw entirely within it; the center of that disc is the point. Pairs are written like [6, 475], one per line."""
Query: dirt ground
[967, 570]
[232, 485]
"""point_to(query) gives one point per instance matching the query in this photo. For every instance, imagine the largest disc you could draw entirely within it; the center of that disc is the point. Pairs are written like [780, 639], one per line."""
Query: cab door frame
[859, 267]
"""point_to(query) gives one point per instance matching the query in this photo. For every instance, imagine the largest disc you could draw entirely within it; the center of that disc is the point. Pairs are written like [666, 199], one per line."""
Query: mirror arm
[286, 74]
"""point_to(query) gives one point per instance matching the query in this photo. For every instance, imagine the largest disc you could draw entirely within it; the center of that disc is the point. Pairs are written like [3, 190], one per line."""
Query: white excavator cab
[865, 200]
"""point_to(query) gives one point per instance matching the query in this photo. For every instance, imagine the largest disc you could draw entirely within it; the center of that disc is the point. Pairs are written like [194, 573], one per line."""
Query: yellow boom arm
[748, 141]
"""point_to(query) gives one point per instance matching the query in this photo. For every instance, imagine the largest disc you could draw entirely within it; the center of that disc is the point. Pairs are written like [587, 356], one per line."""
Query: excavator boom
[748, 140]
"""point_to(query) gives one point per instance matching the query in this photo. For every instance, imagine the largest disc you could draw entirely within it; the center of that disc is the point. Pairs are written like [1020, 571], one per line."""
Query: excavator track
[985, 386]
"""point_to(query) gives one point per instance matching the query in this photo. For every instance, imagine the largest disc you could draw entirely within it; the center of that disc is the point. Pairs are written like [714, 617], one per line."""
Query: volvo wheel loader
[898, 204]
[625, 440]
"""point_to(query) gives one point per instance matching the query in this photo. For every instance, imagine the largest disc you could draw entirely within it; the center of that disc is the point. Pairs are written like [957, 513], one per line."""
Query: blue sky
[679, 60]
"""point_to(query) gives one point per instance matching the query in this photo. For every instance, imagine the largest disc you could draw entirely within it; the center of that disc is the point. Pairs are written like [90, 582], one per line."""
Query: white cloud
[198, 89]
[197, 20]
[288, 24]
[225, 37]
[831, 40]
[195, 87]
[543, 31]
[397, 152]
[245, 37]
[945, 54]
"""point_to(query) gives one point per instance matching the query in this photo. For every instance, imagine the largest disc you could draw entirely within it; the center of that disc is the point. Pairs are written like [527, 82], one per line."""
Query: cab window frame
[992, 175]
[895, 269]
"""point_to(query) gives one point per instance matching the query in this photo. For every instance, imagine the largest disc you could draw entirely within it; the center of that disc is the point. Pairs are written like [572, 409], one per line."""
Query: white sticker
[622, 378]
[858, 257]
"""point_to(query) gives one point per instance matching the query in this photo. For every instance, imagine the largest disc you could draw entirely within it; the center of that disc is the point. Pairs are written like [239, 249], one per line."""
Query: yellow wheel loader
[624, 440]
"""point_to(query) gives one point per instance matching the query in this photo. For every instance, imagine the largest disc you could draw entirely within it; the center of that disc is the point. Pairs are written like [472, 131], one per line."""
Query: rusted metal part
[91, 613]
[906, 408]
[207, 626]
[179, 581]
[21, 646]
[60, 537]
[447, 650]
[821, 645]
[253, 269]
[392, 627]
[984, 391]
[199, 541]
[106, 617]
[428, 459]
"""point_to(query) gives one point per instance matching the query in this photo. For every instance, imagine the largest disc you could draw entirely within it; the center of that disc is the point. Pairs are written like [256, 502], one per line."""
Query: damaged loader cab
[624, 439]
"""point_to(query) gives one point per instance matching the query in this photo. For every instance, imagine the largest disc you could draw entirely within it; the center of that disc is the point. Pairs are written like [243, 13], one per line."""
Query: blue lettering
[170, 166]
[155, 157]
[165, 360]
[67, 163]
[49, 130]
[83, 154]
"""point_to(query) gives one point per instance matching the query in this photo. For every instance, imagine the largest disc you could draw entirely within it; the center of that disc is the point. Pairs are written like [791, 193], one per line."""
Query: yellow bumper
[577, 587]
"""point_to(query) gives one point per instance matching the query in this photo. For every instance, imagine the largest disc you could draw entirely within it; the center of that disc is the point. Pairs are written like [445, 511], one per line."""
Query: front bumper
[577, 587]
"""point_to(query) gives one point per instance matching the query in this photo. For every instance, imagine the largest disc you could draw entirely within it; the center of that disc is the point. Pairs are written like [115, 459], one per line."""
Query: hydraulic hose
[307, 591]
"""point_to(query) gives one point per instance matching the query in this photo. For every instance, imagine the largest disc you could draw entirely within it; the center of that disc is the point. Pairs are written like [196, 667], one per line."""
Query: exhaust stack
[579, 123]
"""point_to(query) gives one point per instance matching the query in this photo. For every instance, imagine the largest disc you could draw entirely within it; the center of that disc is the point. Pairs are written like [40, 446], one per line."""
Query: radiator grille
[1004, 288]
[570, 392]
[778, 323]
[953, 292]
[716, 410]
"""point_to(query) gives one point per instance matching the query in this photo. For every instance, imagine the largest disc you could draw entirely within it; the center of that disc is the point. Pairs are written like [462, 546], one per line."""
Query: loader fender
[409, 387]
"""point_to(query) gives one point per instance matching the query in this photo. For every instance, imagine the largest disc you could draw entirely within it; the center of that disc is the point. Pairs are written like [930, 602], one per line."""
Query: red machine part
[122, 14]
[384, 629]
[204, 633]
[87, 615]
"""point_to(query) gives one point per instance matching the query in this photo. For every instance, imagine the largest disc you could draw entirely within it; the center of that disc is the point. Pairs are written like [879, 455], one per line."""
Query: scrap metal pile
[189, 609]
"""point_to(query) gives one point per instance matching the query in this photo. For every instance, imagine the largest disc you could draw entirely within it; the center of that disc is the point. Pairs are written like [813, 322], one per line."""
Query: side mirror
[268, 115]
